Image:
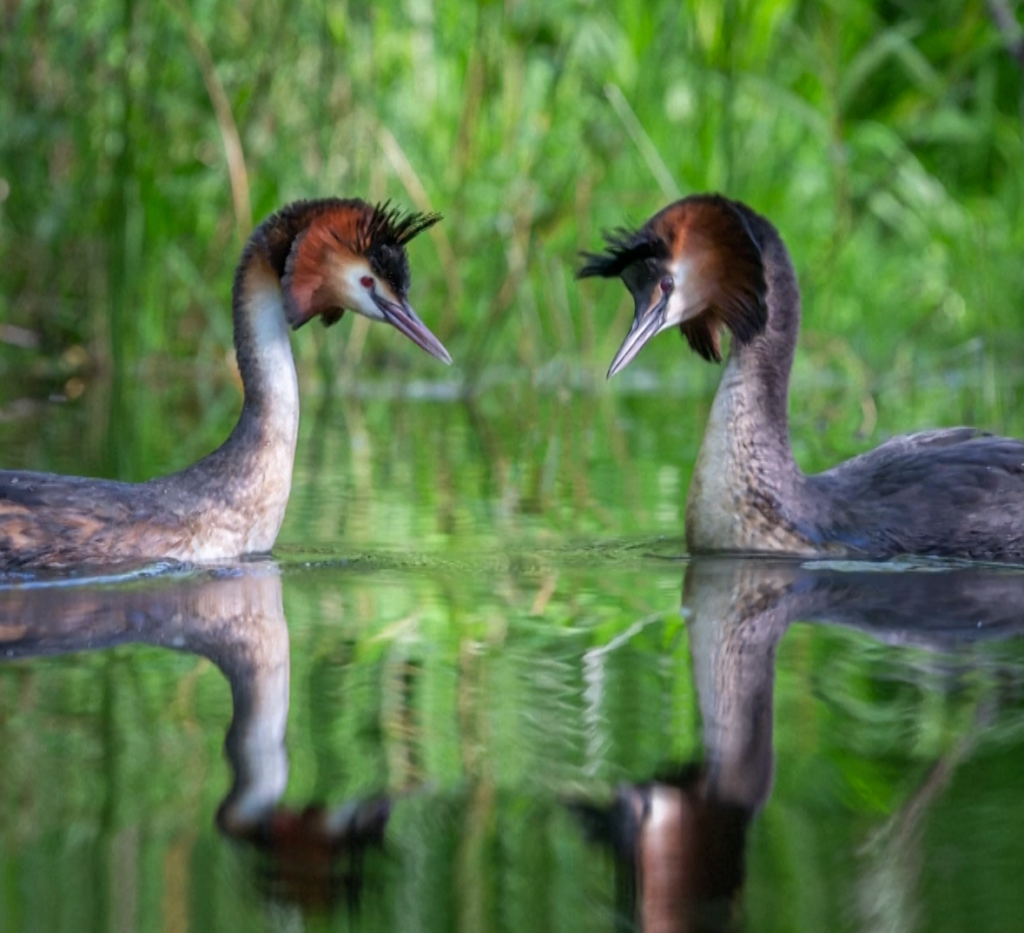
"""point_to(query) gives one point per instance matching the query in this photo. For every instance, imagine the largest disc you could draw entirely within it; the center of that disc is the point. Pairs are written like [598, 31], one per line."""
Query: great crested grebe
[706, 262]
[310, 258]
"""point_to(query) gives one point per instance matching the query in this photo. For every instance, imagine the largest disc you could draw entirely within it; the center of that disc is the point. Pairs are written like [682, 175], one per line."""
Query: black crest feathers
[382, 236]
[386, 225]
[624, 248]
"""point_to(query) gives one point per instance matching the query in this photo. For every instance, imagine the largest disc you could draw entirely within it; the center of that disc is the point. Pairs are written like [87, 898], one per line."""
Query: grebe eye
[667, 284]
[366, 281]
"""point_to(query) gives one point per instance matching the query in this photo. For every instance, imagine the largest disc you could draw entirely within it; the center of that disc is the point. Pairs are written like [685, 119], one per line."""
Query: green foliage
[884, 139]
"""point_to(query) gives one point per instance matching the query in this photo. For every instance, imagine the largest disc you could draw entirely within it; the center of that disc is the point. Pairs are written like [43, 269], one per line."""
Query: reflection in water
[235, 618]
[681, 838]
[681, 834]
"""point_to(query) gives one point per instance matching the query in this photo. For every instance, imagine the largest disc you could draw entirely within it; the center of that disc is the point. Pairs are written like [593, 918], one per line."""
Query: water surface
[481, 687]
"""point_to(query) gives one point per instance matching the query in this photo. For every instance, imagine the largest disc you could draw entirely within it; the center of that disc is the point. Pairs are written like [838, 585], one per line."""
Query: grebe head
[352, 257]
[696, 265]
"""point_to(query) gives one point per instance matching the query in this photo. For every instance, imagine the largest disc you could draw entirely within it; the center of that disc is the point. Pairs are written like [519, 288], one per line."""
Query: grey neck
[746, 492]
[756, 378]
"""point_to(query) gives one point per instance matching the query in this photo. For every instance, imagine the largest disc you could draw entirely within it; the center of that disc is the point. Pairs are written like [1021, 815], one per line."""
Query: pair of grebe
[703, 264]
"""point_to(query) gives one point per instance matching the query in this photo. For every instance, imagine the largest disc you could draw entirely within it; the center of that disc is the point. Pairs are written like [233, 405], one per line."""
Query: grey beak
[646, 323]
[404, 319]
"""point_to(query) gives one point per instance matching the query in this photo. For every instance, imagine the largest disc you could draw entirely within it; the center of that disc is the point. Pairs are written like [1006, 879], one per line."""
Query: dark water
[481, 688]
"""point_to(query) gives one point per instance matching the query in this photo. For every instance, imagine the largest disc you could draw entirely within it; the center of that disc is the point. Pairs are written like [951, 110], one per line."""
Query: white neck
[269, 424]
[271, 382]
[243, 486]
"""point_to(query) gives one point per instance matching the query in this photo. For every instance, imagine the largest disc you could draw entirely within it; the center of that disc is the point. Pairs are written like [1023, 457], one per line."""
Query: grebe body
[312, 258]
[707, 263]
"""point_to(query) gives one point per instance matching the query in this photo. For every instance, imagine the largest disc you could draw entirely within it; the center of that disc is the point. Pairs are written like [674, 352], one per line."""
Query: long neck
[270, 414]
[746, 462]
[264, 354]
[262, 446]
[755, 385]
[244, 485]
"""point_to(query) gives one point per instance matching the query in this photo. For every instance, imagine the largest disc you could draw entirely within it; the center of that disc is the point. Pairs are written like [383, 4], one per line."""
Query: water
[480, 687]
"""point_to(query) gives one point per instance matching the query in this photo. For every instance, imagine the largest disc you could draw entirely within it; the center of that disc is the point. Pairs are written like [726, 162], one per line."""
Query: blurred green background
[141, 141]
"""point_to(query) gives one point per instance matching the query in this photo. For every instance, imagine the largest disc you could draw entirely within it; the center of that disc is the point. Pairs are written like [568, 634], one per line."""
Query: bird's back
[48, 520]
[951, 493]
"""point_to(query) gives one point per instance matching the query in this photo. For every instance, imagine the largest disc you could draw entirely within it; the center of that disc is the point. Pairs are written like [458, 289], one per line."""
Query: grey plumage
[948, 493]
[952, 493]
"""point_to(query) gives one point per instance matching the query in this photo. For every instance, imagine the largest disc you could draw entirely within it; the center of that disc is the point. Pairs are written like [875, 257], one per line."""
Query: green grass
[884, 140]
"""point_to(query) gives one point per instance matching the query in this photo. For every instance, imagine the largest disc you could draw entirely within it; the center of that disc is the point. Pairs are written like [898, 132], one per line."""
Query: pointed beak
[402, 317]
[647, 321]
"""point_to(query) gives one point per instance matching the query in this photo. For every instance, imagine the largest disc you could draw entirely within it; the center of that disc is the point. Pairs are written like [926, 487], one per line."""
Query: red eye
[366, 281]
[667, 284]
